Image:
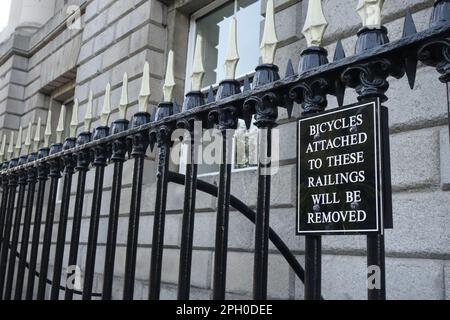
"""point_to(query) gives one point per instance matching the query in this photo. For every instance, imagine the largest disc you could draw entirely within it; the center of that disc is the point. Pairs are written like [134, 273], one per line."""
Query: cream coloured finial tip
[27, 144]
[144, 94]
[37, 135]
[61, 123]
[74, 121]
[88, 117]
[370, 12]
[3, 149]
[18, 147]
[11, 146]
[315, 24]
[232, 56]
[123, 105]
[269, 39]
[48, 130]
[106, 110]
[169, 82]
[198, 68]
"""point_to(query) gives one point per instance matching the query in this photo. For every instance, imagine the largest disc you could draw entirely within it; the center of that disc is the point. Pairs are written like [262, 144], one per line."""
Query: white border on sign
[378, 194]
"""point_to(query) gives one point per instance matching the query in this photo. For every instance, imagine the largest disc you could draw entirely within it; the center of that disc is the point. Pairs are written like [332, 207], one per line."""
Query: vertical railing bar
[101, 157]
[119, 150]
[187, 232]
[313, 267]
[15, 234]
[55, 175]
[32, 180]
[160, 214]
[222, 222]
[139, 147]
[62, 225]
[376, 257]
[43, 172]
[83, 162]
[12, 186]
[3, 211]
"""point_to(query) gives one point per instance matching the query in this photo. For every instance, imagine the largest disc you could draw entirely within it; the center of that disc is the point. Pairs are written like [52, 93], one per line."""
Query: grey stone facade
[119, 36]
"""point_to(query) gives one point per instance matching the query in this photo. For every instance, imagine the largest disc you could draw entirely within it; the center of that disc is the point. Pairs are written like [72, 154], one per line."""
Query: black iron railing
[367, 72]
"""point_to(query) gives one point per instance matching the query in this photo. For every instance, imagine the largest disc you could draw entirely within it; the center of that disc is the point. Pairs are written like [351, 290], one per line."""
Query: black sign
[343, 171]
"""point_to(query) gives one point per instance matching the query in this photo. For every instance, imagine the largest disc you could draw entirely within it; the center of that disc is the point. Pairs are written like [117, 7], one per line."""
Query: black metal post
[119, 151]
[227, 120]
[83, 161]
[32, 180]
[266, 111]
[69, 165]
[43, 172]
[100, 160]
[4, 181]
[16, 229]
[140, 145]
[313, 97]
[55, 175]
[12, 186]
[193, 99]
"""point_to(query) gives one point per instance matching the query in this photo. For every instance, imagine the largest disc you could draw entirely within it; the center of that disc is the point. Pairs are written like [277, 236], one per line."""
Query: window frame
[190, 57]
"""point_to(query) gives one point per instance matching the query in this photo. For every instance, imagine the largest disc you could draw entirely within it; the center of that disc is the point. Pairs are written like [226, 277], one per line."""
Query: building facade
[49, 57]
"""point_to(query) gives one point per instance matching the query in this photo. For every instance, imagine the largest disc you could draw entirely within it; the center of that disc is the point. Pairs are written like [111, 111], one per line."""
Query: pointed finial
[145, 89]
[198, 69]
[106, 111]
[74, 120]
[339, 52]
[169, 83]
[11, 146]
[19, 142]
[289, 69]
[232, 57]
[88, 116]
[61, 122]
[37, 135]
[27, 144]
[370, 13]
[123, 105]
[315, 24]
[3, 148]
[409, 27]
[211, 98]
[269, 39]
[48, 130]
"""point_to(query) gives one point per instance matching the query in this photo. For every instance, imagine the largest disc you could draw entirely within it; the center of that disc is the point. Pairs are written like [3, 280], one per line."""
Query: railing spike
[198, 68]
[48, 130]
[409, 28]
[37, 135]
[269, 39]
[106, 110]
[247, 85]
[88, 117]
[211, 97]
[289, 69]
[169, 82]
[145, 93]
[123, 105]
[3, 148]
[232, 56]
[61, 125]
[339, 52]
[315, 24]
[18, 147]
[11, 146]
[74, 121]
[370, 12]
[27, 144]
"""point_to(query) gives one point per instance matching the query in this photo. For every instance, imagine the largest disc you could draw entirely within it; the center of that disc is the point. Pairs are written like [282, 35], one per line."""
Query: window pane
[214, 28]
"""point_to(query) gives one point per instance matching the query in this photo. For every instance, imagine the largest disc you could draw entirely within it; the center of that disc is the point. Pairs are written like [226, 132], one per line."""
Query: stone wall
[119, 36]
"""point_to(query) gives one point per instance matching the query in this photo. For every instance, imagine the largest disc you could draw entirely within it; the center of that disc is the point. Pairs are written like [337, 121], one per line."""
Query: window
[213, 22]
